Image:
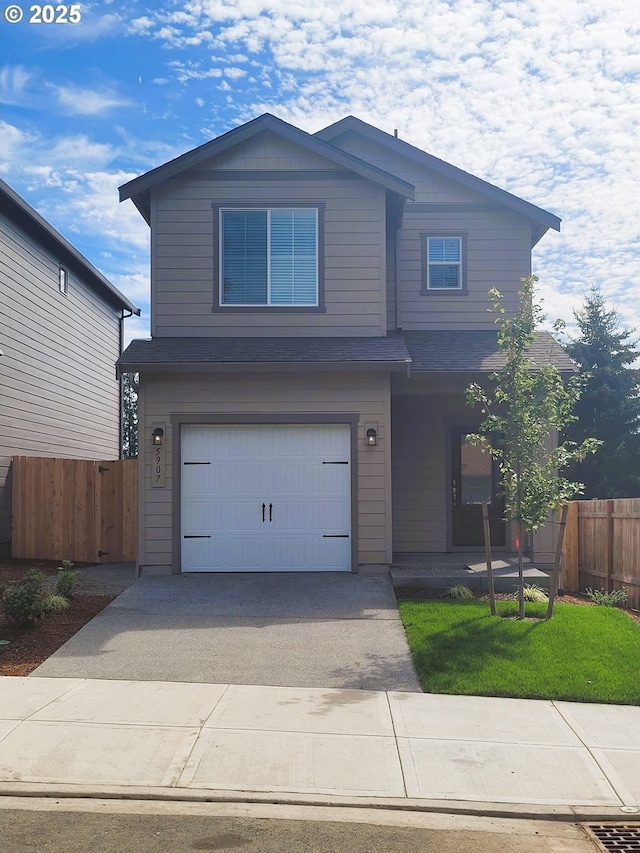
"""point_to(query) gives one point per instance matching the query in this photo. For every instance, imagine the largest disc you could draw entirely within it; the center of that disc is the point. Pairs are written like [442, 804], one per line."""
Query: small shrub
[24, 603]
[56, 603]
[532, 592]
[67, 580]
[615, 598]
[459, 592]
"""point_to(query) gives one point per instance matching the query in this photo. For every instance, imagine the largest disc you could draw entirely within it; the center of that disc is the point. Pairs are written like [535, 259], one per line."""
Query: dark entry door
[474, 481]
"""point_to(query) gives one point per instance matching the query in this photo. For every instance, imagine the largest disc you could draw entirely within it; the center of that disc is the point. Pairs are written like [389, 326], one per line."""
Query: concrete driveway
[281, 629]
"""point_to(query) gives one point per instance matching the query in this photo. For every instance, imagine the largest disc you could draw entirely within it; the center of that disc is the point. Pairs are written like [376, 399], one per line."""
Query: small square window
[63, 280]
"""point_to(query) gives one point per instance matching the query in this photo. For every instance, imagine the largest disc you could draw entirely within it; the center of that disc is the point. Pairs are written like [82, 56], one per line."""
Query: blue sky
[540, 97]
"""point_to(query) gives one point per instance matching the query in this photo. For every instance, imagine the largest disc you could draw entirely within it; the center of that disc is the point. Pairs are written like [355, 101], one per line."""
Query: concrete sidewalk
[188, 741]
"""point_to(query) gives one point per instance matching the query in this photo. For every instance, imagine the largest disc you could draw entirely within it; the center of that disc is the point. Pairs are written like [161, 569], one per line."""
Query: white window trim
[457, 263]
[63, 280]
[268, 304]
[425, 282]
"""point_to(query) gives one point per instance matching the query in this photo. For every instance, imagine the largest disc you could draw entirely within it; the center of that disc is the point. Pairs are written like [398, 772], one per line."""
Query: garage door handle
[335, 535]
[197, 537]
[270, 512]
[264, 506]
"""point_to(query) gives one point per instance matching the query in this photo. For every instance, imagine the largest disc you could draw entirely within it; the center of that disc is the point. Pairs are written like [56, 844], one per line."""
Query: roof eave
[261, 366]
[42, 231]
[139, 188]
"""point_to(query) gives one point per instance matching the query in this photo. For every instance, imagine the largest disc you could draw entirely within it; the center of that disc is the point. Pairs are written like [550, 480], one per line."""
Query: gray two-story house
[61, 332]
[319, 306]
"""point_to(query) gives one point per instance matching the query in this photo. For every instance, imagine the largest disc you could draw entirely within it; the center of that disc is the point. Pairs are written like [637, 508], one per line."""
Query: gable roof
[37, 227]
[542, 219]
[139, 188]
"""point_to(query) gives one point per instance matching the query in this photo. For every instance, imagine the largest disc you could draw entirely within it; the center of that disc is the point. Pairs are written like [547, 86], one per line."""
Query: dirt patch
[29, 647]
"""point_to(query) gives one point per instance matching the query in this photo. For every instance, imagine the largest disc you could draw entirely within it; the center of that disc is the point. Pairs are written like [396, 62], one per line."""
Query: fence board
[66, 509]
[606, 547]
[570, 580]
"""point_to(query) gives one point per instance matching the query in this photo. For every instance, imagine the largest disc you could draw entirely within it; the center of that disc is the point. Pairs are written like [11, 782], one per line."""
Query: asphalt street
[75, 826]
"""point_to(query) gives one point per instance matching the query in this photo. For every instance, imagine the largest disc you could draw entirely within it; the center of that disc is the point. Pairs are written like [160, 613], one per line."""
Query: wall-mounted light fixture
[157, 436]
[372, 437]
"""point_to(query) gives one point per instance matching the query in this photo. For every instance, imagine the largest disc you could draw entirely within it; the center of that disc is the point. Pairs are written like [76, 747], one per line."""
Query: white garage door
[261, 498]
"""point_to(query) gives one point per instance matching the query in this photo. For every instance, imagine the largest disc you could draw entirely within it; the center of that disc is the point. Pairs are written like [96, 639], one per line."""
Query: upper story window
[63, 280]
[269, 257]
[443, 262]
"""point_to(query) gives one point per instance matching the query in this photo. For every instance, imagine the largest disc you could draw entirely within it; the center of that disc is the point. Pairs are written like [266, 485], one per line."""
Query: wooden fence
[73, 509]
[602, 547]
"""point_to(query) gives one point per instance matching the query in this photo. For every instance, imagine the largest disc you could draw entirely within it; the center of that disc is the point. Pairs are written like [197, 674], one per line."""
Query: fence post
[609, 564]
[571, 549]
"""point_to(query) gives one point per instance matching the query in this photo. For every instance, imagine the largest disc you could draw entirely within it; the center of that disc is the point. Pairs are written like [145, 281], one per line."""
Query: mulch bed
[29, 647]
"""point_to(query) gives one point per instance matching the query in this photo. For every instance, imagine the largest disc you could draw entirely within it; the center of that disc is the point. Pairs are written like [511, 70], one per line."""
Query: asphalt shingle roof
[433, 351]
[171, 351]
[476, 351]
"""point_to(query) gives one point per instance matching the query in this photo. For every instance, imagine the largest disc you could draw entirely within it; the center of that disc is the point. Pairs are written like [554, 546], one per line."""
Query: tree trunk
[487, 551]
[520, 573]
[557, 565]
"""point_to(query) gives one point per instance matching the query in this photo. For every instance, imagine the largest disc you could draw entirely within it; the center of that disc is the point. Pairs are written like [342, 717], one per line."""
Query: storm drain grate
[619, 837]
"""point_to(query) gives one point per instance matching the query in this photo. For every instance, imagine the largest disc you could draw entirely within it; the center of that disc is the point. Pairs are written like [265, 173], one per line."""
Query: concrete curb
[521, 811]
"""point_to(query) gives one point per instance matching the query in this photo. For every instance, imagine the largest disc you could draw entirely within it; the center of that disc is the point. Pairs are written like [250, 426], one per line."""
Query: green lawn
[584, 654]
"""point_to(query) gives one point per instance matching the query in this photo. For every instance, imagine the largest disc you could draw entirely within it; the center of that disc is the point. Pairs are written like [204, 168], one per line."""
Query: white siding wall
[58, 391]
[240, 393]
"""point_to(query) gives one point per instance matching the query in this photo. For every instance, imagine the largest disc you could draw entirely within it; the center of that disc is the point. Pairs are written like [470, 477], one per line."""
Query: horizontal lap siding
[354, 247]
[368, 395]
[429, 186]
[59, 393]
[499, 245]
[419, 470]
[498, 254]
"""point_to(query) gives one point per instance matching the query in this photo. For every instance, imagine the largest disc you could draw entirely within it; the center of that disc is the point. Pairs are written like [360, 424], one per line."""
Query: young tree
[609, 408]
[525, 408]
[130, 416]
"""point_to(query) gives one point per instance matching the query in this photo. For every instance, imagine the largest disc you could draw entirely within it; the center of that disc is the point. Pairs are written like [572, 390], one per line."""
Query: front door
[474, 481]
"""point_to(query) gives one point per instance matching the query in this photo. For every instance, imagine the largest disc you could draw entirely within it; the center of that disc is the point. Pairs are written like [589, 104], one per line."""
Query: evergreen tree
[609, 408]
[129, 416]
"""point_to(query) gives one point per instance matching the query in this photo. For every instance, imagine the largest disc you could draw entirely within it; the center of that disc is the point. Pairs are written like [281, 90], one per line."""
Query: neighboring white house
[61, 332]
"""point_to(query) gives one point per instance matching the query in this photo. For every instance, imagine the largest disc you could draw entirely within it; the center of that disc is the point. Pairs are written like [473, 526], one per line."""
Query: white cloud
[13, 83]
[88, 102]
[539, 97]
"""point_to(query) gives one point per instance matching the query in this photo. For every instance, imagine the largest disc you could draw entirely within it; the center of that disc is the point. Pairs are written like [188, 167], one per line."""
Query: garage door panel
[224, 479]
[301, 473]
[321, 515]
[240, 517]
[233, 554]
